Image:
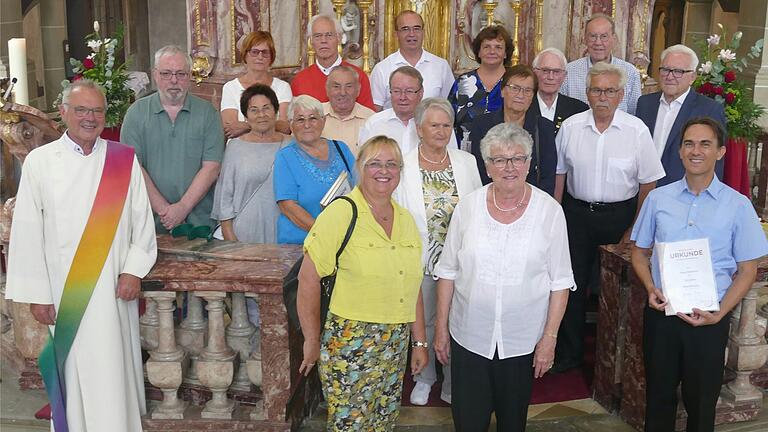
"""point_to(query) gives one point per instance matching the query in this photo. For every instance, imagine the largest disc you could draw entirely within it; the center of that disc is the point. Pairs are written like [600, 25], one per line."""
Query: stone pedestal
[192, 334]
[239, 334]
[215, 369]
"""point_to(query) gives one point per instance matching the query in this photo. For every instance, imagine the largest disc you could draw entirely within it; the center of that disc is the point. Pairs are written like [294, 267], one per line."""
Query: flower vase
[735, 170]
[111, 133]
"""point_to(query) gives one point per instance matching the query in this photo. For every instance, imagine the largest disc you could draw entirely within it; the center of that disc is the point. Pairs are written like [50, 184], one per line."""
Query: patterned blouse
[471, 99]
[440, 198]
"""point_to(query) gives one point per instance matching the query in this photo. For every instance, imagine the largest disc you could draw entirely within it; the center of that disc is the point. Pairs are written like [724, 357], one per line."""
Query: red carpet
[570, 385]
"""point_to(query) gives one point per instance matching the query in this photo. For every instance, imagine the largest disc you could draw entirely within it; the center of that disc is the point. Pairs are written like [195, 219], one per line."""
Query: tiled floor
[17, 411]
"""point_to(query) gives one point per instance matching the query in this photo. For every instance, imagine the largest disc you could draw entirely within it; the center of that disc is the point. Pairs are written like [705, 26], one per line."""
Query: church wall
[167, 24]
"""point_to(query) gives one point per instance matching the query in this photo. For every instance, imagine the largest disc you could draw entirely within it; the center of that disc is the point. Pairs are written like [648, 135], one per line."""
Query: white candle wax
[17, 68]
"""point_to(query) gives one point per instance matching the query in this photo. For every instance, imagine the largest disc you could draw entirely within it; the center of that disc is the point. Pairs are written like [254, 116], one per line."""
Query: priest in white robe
[103, 371]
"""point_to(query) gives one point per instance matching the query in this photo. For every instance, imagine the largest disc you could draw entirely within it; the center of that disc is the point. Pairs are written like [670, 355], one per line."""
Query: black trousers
[676, 352]
[480, 387]
[587, 230]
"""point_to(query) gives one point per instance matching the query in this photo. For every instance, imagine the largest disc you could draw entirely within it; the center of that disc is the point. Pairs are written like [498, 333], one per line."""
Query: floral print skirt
[361, 370]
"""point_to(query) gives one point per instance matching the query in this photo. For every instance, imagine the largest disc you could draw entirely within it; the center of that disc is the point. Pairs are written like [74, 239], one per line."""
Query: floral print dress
[440, 198]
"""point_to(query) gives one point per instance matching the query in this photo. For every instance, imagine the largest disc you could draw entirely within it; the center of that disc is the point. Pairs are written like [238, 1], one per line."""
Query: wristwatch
[417, 344]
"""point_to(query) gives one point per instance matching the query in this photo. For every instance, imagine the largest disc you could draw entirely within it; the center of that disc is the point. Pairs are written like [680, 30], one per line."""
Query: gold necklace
[517, 206]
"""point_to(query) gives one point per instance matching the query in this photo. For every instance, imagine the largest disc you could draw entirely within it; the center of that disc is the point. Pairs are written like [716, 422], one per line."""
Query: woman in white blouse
[257, 53]
[433, 180]
[504, 276]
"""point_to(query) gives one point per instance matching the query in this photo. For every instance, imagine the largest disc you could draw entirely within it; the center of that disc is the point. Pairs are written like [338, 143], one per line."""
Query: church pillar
[753, 23]
[53, 30]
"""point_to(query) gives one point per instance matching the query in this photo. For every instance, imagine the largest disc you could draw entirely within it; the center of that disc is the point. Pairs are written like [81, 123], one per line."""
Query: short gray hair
[599, 16]
[172, 50]
[331, 18]
[603, 68]
[554, 51]
[408, 71]
[82, 83]
[682, 49]
[506, 135]
[305, 102]
[432, 103]
[343, 68]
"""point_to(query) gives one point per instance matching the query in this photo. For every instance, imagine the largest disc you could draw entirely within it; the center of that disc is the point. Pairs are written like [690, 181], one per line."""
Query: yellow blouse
[379, 277]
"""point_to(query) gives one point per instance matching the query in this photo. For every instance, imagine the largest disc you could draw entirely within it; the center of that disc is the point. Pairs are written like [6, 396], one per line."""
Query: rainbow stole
[86, 268]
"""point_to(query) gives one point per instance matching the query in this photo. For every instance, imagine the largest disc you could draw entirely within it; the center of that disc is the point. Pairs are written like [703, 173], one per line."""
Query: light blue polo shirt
[722, 215]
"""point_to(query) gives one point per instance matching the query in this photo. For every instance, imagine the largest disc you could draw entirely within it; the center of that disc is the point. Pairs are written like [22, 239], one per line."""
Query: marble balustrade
[619, 383]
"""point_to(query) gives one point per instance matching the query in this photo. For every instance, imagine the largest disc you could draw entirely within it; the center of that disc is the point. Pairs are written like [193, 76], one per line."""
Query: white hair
[432, 102]
[171, 50]
[682, 49]
[305, 102]
[603, 68]
[506, 136]
[554, 51]
[331, 18]
[82, 83]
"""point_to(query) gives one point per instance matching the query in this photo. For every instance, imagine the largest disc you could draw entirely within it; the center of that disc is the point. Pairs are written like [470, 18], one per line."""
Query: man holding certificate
[707, 239]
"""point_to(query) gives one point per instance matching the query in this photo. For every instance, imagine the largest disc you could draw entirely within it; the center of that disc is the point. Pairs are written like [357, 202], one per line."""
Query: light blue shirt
[719, 213]
[302, 178]
[575, 83]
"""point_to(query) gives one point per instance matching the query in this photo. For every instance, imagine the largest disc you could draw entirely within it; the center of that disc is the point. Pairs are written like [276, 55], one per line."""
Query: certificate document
[687, 279]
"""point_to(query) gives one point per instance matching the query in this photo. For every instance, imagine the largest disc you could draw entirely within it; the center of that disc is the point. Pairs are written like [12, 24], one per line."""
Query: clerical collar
[76, 147]
[327, 71]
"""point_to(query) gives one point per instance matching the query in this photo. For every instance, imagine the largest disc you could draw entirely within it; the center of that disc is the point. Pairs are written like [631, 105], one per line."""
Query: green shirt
[172, 153]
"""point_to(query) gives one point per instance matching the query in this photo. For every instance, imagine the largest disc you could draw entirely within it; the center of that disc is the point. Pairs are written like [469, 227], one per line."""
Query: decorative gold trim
[365, 5]
[490, 9]
[613, 9]
[310, 50]
[338, 6]
[233, 34]
[539, 26]
[198, 36]
[517, 7]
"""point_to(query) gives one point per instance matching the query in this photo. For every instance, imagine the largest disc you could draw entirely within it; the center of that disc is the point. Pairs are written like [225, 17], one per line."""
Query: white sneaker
[446, 397]
[420, 393]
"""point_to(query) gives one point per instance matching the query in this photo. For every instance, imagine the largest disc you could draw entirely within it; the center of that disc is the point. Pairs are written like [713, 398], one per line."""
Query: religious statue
[350, 26]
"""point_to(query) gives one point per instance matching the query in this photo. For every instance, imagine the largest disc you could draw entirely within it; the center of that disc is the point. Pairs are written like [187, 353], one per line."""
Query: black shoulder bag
[291, 280]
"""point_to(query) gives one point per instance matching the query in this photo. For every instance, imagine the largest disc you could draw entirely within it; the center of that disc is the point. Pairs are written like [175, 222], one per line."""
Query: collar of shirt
[76, 147]
[327, 71]
[158, 107]
[679, 101]
[544, 104]
[714, 188]
[356, 112]
[615, 122]
[401, 61]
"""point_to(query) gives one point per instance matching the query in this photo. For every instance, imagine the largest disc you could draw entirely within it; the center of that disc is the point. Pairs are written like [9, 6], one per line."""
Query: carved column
[148, 325]
[747, 351]
[215, 369]
[239, 333]
[191, 334]
[253, 367]
[166, 365]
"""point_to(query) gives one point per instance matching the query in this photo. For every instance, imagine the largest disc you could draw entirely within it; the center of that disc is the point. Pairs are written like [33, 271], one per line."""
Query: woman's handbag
[291, 280]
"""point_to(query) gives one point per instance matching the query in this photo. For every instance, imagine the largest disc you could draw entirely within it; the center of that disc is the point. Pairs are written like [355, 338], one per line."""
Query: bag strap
[350, 228]
[343, 159]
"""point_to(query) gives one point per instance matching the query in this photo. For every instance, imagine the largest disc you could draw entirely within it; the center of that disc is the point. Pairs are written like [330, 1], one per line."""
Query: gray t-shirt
[244, 190]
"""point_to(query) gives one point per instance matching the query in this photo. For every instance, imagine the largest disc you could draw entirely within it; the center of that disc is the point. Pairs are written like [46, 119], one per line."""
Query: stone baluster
[239, 333]
[747, 351]
[253, 366]
[148, 325]
[215, 368]
[166, 365]
[192, 333]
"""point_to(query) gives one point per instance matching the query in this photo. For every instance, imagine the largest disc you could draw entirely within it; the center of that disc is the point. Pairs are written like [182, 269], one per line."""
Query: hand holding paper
[687, 278]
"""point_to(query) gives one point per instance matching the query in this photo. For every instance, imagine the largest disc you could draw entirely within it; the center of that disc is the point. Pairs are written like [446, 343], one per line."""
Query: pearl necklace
[517, 206]
[433, 162]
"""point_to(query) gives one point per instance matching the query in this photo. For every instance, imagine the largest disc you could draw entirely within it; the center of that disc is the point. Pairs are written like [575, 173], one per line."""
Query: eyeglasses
[81, 111]
[414, 29]
[597, 92]
[677, 73]
[548, 71]
[301, 121]
[593, 37]
[326, 35]
[258, 52]
[409, 93]
[501, 162]
[378, 165]
[180, 75]
[516, 89]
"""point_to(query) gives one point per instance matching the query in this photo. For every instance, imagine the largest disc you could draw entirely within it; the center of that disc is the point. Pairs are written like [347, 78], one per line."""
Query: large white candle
[17, 68]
